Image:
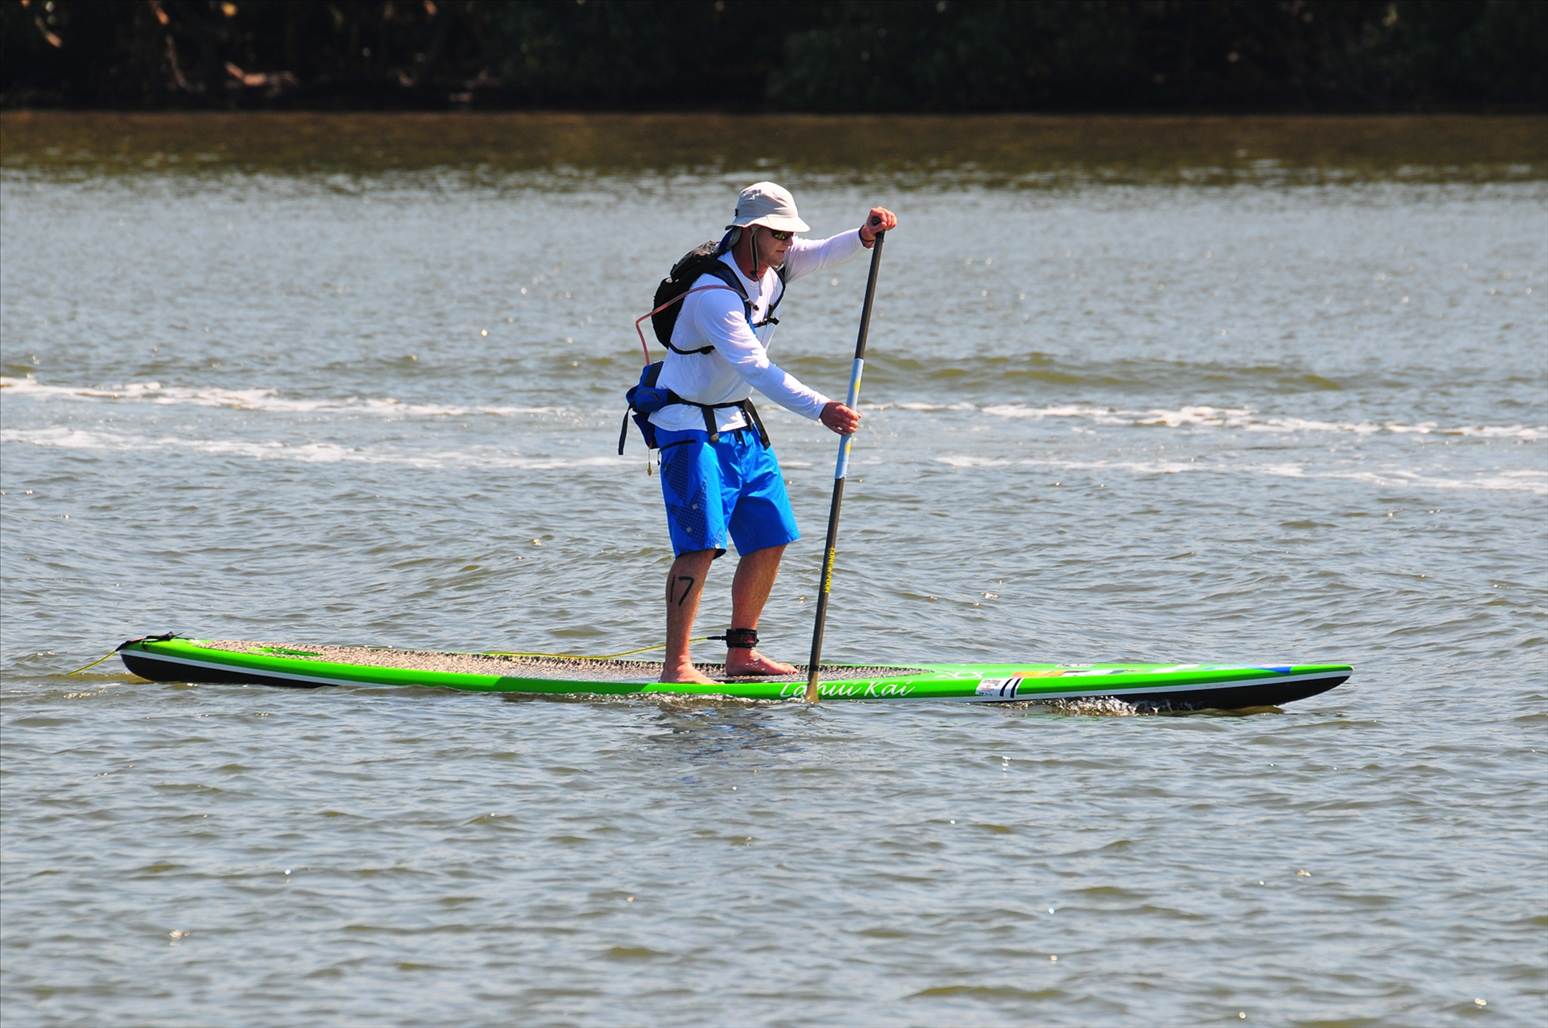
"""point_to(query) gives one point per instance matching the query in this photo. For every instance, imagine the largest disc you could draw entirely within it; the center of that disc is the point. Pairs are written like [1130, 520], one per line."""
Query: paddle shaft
[839, 471]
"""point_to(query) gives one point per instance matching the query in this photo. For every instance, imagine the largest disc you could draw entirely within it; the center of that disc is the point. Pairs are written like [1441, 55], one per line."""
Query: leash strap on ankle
[739, 638]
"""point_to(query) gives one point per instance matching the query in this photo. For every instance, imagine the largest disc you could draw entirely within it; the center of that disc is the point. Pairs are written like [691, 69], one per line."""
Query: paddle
[839, 471]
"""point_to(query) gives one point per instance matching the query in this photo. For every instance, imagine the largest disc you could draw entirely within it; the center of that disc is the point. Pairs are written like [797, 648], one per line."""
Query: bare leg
[755, 574]
[685, 584]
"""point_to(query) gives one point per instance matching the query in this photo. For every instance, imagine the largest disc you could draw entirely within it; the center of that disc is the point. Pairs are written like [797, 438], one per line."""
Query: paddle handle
[840, 470]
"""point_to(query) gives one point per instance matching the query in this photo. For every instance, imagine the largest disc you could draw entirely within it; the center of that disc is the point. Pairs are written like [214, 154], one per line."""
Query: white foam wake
[1529, 481]
[1247, 419]
[256, 400]
[301, 452]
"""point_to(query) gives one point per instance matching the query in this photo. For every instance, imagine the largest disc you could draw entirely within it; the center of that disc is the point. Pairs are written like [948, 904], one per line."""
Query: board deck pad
[558, 667]
[1189, 686]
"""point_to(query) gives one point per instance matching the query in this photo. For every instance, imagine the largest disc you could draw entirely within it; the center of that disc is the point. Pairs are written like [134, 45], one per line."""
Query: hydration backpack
[703, 259]
[645, 397]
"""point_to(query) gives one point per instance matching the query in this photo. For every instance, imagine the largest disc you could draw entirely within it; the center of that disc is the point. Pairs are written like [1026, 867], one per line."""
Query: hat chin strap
[752, 248]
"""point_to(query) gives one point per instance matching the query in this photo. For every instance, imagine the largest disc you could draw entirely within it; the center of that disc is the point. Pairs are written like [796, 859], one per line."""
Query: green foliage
[800, 55]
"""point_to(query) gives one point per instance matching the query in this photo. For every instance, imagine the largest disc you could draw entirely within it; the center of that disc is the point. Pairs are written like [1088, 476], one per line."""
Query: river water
[1201, 389]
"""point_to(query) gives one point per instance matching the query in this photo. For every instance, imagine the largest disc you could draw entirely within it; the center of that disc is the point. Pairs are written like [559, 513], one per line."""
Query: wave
[1196, 416]
[1000, 371]
[1240, 418]
[305, 452]
[1247, 419]
[313, 452]
[1529, 481]
[263, 399]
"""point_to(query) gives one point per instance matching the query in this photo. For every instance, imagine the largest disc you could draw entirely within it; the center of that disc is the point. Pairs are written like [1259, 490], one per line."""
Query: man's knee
[774, 552]
[696, 558]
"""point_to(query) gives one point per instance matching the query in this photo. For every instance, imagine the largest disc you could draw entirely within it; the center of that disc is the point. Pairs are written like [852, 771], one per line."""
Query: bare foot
[685, 673]
[751, 662]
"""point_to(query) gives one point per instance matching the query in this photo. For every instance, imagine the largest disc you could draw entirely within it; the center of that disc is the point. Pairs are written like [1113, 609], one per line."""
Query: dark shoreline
[1074, 57]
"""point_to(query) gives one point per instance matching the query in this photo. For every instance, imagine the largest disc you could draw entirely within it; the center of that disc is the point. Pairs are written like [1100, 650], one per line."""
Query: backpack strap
[768, 316]
[732, 282]
[757, 423]
[745, 406]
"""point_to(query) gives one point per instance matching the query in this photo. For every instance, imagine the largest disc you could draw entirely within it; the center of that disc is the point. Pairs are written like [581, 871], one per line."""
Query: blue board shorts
[733, 485]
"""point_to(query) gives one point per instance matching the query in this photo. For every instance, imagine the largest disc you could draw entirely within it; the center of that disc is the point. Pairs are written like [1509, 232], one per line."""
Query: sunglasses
[780, 236]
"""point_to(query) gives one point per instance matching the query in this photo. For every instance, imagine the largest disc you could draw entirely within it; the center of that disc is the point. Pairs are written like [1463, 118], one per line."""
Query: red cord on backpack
[644, 346]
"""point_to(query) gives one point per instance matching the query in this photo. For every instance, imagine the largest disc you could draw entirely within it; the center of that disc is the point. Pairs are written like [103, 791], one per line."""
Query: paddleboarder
[733, 485]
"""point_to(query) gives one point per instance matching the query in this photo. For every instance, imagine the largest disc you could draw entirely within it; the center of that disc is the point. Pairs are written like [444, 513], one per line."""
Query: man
[733, 483]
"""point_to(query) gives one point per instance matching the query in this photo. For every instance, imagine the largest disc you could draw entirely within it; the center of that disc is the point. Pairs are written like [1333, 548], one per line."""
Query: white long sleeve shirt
[740, 361]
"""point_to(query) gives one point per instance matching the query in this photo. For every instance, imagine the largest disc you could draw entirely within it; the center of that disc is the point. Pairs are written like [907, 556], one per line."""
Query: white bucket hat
[769, 205]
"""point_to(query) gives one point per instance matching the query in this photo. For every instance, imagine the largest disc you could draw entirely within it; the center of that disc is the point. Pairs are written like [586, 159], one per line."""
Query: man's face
[771, 249]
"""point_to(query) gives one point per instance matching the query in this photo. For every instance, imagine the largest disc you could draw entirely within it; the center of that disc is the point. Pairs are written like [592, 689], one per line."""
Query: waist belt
[647, 429]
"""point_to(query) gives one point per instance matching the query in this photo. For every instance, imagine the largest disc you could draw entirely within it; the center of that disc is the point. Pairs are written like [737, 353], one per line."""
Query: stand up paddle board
[170, 658]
